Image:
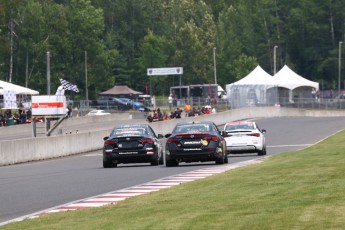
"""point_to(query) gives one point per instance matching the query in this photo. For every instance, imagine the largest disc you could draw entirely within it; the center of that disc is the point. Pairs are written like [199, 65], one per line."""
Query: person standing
[187, 109]
[170, 100]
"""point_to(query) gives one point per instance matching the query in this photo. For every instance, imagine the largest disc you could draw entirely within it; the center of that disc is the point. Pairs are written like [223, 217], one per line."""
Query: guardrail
[33, 149]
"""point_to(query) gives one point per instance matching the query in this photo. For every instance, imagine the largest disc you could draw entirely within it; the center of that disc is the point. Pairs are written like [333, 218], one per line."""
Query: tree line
[117, 40]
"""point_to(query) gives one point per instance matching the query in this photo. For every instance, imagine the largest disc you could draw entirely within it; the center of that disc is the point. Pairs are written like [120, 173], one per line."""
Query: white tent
[258, 87]
[18, 89]
[257, 77]
[297, 86]
[289, 79]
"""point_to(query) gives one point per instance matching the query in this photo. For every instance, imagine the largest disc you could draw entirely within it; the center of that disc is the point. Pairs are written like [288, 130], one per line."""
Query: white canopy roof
[288, 79]
[18, 89]
[257, 77]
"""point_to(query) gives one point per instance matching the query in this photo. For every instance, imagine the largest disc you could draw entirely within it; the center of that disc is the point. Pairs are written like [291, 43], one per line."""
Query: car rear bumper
[183, 156]
[130, 157]
[243, 149]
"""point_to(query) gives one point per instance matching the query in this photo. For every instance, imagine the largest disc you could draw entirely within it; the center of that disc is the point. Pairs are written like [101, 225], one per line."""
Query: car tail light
[146, 141]
[254, 134]
[212, 138]
[172, 140]
[110, 142]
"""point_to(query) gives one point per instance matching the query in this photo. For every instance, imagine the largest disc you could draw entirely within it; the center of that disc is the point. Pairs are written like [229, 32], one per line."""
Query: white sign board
[165, 71]
[48, 105]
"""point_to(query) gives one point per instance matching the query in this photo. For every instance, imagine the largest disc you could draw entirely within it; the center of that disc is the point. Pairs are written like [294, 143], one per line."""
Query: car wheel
[262, 152]
[171, 163]
[155, 162]
[220, 161]
[109, 164]
[226, 160]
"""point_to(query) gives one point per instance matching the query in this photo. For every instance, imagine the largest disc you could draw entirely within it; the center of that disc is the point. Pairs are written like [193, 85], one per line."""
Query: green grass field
[294, 190]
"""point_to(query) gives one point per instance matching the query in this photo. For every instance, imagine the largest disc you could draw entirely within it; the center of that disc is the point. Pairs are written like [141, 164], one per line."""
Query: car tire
[262, 152]
[109, 164]
[220, 161]
[226, 160]
[155, 162]
[171, 163]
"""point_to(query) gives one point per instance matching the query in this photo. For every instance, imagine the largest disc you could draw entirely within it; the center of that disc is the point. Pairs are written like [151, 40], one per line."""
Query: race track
[32, 187]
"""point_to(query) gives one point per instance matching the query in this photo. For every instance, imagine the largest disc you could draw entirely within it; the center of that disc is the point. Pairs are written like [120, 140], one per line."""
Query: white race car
[244, 137]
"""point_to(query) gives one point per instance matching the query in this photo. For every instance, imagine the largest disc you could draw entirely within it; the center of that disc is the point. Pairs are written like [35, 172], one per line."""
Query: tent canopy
[257, 77]
[258, 87]
[287, 78]
[18, 89]
[120, 90]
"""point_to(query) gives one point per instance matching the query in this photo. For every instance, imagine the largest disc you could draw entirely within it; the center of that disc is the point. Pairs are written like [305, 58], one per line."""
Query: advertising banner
[10, 99]
[48, 105]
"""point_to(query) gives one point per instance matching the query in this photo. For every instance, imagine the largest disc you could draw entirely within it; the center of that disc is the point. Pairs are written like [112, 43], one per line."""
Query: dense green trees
[120, 39]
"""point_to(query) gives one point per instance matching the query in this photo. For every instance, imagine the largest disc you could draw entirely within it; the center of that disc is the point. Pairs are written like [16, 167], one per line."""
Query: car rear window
[191, 128]
[129, 131]
[239, 126]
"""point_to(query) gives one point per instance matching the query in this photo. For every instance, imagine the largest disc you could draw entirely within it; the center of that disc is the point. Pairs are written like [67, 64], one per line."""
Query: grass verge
[294, 190]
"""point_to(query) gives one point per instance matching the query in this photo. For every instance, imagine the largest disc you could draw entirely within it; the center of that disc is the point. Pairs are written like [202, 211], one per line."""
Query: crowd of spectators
[9, 117]
[189, 111]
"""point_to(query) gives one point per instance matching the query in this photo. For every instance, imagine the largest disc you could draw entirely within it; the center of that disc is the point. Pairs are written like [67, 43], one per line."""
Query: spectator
[15, 117]
[165, 116]
[22, 117]
[177, 113]
[191, 113]
[155, 115]
[149, 118]
[69, 111]
[172, 115]
[2, 120]
[175, 101]
[170, 100]
[159, 114]
[187, 109]
[207, 109]
[208, 100]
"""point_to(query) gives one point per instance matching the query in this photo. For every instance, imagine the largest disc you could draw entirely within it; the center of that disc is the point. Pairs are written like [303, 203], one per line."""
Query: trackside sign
[48, 105]
[164, 71]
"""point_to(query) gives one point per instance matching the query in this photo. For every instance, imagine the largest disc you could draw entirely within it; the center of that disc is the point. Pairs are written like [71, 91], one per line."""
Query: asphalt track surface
[32, 187]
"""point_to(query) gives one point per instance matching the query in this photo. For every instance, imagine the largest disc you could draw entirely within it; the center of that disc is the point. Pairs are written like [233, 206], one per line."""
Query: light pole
[275, 60]
[214, 64]
[339, 73]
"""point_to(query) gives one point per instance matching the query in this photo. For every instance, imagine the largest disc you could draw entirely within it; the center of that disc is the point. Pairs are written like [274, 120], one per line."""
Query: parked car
[244, 137]
[132, 104]
[195, 142]
[97, 112]
[132, 144]
[110, 103]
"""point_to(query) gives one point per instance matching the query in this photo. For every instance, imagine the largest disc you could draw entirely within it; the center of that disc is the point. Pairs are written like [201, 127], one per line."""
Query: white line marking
[281, 146]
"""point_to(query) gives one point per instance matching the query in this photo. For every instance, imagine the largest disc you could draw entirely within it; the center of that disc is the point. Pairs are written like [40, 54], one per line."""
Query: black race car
[195, 142]
[132, 144]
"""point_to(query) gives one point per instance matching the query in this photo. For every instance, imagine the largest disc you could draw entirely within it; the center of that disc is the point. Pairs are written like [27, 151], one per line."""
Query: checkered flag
[68, 86]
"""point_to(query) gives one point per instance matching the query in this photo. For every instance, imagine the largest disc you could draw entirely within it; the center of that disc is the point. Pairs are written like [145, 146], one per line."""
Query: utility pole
[86, 83]
[340, 43]
[11, 47]
[48, 73]
[275, 60]
[215, 66]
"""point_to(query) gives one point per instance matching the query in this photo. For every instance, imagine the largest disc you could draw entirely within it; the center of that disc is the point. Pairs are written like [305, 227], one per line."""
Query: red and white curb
[122, 194]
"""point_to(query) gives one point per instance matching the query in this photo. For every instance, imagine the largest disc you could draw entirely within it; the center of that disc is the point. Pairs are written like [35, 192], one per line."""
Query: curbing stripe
[112, 198]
